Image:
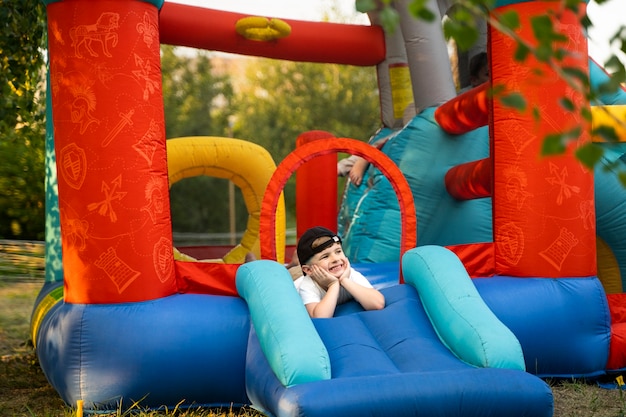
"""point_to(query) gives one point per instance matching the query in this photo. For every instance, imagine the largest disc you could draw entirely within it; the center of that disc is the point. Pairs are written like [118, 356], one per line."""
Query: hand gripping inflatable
[247, 165]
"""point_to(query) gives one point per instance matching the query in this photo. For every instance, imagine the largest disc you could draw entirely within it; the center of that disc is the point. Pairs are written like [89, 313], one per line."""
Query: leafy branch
[549, 49]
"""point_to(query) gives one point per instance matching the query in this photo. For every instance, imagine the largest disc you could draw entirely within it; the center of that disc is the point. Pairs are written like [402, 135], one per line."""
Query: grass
[24, 390]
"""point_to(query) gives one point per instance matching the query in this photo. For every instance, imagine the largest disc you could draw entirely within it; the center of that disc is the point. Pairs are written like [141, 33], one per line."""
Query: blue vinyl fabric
[563, 324]
[460, 317]
[287, 336]
[203, 349]
[391, 362]
[184, 349]
[371, 227]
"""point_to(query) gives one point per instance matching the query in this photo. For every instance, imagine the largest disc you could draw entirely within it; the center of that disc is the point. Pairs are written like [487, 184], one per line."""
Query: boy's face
[332, 259]
[481, 77]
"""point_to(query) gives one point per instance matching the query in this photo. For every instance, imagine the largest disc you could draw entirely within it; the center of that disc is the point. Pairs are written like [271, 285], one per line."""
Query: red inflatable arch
[321, 147]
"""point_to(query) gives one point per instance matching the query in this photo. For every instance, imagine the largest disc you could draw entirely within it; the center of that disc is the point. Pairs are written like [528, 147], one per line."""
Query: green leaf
[585, 21]
[521, 52]
[606, 132]
[418, 9]
[389, 19]
[589, 154]
[542, 27]
[553, 145]
[510, 19]
[365, 6]
[572, 5]
[464, 35]
[426, 14]
[567, 104]
[485, 4]
[586, 114]
[622, 178]
[543, 52]
[514, 100]
[577, 73]
[536, 114]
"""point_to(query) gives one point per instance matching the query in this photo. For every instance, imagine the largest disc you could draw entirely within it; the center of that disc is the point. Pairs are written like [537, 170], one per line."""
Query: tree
[197, 103]
[22, 130]
[282, 99]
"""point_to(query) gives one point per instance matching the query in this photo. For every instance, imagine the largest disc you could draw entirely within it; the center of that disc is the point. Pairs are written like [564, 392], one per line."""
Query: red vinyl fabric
[109, 134]
[322, 147]
[543, 207]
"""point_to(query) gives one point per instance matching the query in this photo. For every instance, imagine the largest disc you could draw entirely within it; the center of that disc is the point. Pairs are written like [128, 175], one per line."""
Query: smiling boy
[328, 278]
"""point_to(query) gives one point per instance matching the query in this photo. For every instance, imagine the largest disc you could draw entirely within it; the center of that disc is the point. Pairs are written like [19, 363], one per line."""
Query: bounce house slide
[369, 223]
[122, 322]
[436, 349]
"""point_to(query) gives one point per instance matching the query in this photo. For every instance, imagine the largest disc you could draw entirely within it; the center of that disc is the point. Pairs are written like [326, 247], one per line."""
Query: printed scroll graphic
[120, 273]
[73, 165]
[111, 194]
[148, 29]
[558, 179]
[556, 253]
[102, 33]
[511, 243]
[154, 196]
[162, 257]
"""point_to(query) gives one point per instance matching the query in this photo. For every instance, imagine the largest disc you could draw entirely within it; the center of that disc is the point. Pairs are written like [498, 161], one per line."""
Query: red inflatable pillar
[543, 207]
[109, 133]
[316, 187]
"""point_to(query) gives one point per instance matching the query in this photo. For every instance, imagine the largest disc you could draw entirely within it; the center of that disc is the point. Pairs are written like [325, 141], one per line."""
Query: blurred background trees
[22, 111]
[268, 102]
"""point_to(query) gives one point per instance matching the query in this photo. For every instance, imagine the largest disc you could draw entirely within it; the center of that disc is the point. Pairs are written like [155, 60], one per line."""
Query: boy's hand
[322, 277]
[346, 273]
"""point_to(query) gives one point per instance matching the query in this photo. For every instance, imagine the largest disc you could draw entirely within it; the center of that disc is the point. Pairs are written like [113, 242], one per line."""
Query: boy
[328, 278]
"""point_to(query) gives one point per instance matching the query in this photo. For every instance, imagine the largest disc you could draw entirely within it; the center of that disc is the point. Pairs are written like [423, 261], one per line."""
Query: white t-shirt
[310, 292]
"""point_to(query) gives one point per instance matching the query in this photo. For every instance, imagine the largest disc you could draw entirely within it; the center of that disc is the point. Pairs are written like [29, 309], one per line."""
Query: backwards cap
[305, 249]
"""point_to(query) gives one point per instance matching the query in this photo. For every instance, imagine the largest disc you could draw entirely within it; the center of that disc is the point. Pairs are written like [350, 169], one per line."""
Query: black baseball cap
[305, 249]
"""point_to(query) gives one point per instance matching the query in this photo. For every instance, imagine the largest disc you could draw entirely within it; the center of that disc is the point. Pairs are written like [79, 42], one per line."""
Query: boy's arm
[326, 307]
[369, 298]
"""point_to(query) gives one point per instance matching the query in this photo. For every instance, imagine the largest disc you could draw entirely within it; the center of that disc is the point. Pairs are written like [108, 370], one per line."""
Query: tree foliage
[22, 130]
[197, 102]
[275, 102]
[281, 100]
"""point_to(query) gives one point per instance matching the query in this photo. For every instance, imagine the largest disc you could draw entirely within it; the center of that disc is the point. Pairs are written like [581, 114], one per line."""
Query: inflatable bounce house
[499, 267]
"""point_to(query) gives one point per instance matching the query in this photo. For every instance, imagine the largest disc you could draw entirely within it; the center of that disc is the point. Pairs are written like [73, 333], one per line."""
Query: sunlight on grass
[17, 304]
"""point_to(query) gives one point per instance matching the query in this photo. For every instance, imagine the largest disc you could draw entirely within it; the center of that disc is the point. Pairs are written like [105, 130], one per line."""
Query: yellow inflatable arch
[247, 165]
